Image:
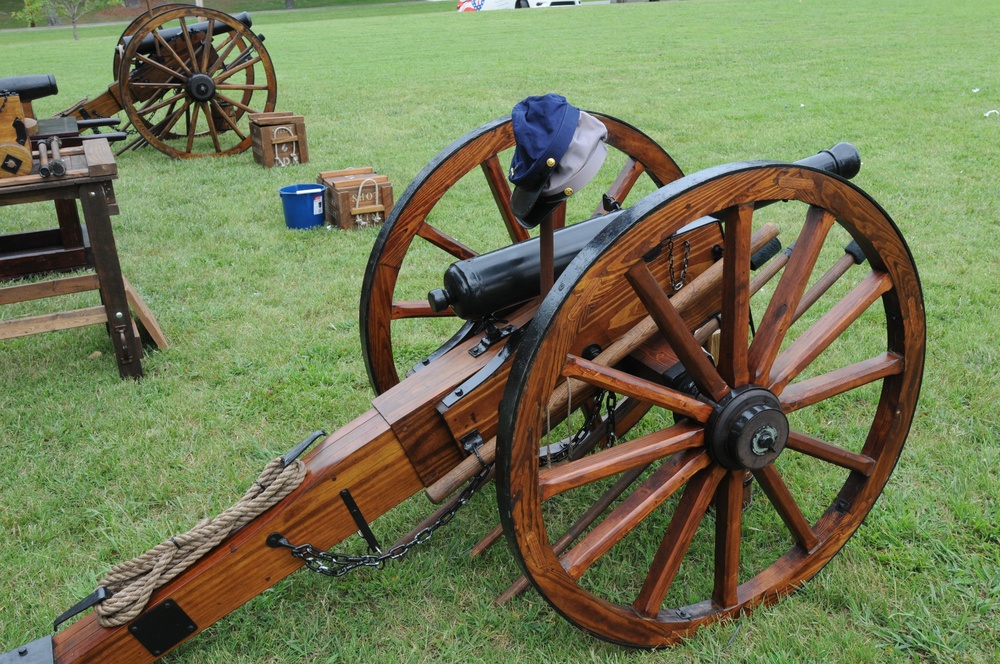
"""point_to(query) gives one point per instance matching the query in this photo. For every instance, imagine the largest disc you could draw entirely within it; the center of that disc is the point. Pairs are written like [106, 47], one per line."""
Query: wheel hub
[748, 429]
[201, 87]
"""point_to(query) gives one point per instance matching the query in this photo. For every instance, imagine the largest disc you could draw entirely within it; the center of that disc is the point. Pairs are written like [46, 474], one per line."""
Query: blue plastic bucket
[303, 205]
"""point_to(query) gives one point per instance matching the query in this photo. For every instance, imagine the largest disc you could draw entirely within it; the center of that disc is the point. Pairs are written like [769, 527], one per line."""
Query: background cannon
[187, 79]
[646, 486]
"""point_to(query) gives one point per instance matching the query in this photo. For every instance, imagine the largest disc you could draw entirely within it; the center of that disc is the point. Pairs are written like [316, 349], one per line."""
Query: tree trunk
[289, 4]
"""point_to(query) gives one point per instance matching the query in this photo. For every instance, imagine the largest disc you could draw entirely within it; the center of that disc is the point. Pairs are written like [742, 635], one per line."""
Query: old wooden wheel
[457, 214]
[189, 78]
[810, 401]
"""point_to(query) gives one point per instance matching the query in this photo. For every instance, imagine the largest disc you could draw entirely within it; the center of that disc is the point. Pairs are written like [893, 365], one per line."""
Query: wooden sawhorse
[74, 245]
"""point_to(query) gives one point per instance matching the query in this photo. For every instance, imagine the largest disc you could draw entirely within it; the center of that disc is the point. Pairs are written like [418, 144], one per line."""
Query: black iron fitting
[471, 442]
[359, 519]
[36, 652]
[484, 373]
[297, 451]
[90, 600]
[493, 335]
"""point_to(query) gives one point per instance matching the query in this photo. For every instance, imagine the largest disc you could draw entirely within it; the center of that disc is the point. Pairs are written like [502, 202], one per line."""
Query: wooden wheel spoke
[639, 452]
[624, 181]
[497, 180]
[192, 127]
[192, 52]
[592, 514]
[735, 318]
[626, 384]
[152, 108]
[791, 362]
[777, 492]
[444, 241]
[225, 116]
[177, 58]
[229, 100]
[672, 326]
[818, 449]
[781, 309]
[244, 64]
[212, 129]
[224, 49]
[683, 525]
[658, 487]
[168, 122]
[816, 389]
[728, 531]
[241, 86]
[171, 72]
[206, 43]
[416, 309]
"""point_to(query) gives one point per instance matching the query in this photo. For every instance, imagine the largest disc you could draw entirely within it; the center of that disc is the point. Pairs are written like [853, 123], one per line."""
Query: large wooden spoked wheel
[190, 94]
[459, 206]
[810, 402]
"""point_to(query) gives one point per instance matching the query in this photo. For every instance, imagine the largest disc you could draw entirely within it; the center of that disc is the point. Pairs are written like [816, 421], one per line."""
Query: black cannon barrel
[33, 86]
[483, 285]
[148, 43]
[842, 159]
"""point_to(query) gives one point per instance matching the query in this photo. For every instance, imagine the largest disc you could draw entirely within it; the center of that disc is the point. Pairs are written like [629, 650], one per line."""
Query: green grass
[264, 332]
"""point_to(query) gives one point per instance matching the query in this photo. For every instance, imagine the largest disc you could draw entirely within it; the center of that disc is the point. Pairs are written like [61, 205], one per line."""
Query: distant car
[485, 5]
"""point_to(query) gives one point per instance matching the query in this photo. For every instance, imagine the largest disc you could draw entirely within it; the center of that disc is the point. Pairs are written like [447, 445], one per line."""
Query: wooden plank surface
[63, 320]
[43, 289]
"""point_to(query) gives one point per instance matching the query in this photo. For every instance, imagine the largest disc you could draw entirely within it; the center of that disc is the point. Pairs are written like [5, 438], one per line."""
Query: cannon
[187, 78]
[687, 423]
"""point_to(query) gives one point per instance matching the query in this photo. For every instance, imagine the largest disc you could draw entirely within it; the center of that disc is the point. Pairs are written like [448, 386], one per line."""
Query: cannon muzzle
[28, 88]
[484, 285]
[148, 43]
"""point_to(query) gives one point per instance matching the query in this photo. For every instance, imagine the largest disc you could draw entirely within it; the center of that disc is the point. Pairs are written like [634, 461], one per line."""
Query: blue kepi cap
[543, 129]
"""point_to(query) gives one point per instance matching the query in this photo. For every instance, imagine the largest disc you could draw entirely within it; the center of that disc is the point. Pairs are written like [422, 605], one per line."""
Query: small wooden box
[356, 197]
[279, 139]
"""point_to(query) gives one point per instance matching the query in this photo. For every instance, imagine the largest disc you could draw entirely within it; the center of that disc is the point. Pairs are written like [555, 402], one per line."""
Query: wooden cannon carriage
[187, 78]
[645, 485]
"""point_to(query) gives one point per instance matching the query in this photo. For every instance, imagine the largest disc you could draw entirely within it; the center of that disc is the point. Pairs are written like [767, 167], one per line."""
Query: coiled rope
[133, 582]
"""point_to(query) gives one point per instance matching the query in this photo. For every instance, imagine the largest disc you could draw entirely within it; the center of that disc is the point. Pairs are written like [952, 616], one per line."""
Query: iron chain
[339, 564]
[675, 282]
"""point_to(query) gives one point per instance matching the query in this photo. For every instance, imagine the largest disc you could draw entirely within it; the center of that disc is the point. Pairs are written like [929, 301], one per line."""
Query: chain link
[675, 282]
[339, 564]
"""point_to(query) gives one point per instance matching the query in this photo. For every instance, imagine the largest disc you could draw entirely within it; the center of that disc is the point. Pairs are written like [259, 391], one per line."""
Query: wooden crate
[356, 197]
[279, 139]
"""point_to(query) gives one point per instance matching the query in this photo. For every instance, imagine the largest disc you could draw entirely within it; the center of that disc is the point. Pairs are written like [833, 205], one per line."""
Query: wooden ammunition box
[279, 139]
[356, 197]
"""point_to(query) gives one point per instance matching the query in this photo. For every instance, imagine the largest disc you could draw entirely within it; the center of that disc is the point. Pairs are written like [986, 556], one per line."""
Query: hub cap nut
[748, 429]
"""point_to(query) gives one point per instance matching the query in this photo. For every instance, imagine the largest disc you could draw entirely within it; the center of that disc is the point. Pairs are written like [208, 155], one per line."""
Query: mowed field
[264, 332]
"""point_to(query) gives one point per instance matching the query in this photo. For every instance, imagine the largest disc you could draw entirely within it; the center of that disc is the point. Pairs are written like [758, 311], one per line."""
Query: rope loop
[133, 583]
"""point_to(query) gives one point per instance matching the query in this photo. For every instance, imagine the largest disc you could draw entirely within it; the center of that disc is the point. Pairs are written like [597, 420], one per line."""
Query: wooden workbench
[77, 244]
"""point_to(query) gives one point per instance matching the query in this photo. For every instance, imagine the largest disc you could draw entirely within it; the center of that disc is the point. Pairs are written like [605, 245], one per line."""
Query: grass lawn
[264, 328]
